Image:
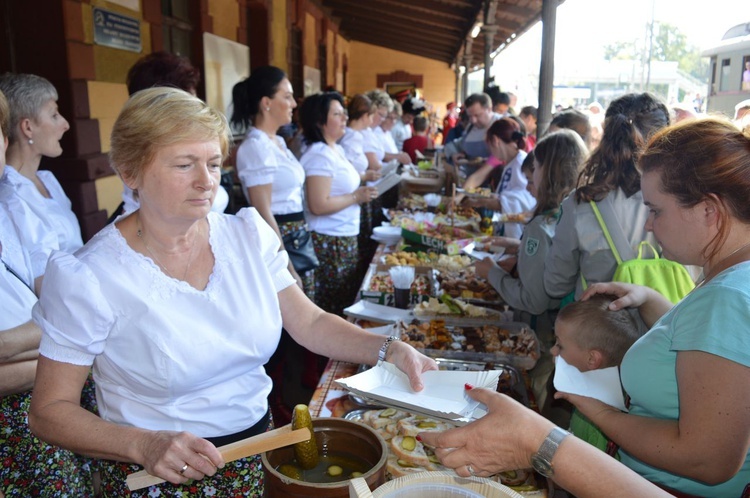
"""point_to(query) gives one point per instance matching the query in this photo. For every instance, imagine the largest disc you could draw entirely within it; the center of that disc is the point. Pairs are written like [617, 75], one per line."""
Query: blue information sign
[116, 31]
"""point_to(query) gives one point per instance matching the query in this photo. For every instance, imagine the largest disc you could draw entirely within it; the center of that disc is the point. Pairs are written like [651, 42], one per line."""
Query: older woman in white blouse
[36, 128]
[179, 328]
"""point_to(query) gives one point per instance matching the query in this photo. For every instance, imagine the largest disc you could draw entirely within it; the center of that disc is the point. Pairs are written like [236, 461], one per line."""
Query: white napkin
[603, 384]
[402, 276]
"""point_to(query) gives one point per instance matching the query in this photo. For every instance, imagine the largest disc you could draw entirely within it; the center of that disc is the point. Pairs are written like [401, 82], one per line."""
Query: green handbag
[669, 278]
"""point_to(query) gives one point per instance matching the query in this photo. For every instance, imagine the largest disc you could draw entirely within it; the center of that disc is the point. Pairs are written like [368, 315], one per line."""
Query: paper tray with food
[510, 343]
[378, 287]
[466, 285]
[441, 238]
[456, 311]
[429, 259]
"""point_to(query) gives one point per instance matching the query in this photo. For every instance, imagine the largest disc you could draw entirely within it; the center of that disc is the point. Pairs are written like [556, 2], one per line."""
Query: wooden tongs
[267, 441]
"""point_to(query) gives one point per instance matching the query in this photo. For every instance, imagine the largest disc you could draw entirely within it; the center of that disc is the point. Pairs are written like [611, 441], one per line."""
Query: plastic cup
[402, 298]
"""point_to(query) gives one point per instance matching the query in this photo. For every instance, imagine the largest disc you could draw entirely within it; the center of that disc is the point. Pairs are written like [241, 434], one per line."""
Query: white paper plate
[443, 397]
[367, 310]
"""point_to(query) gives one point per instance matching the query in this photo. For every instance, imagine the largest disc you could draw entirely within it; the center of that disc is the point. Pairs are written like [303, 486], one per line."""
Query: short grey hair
[381, 99]
[397, 108]
[26, 94]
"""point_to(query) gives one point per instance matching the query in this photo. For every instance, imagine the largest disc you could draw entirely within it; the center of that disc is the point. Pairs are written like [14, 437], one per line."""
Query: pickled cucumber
[291, 471]
[387, 413]
[335, 470]
[408, 443]
[306, 452]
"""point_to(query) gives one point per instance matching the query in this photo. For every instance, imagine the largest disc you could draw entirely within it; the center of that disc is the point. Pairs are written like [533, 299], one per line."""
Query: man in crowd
[471, 145]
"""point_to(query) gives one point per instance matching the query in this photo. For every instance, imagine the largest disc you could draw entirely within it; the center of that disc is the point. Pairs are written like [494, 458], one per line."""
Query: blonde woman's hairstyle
[397, 109]
[159, 117]
[4, 115]
[381, 99]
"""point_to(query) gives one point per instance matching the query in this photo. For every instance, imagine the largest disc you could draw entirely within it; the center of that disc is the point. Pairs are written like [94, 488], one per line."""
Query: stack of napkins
[603, 384]
[443, 397]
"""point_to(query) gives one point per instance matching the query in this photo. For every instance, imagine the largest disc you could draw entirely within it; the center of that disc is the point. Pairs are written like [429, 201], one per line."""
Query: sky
[584, 27]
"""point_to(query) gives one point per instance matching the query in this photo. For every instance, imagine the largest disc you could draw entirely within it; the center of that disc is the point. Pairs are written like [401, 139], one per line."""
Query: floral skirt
[241, 478]
[308, 278]
[31, 467]
[336, 281]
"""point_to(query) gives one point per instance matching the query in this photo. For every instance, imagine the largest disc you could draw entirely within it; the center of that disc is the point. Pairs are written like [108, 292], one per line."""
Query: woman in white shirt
[179, 328]
[30, 467]
[359, 148]
[35, 131]
[507, 144]
[388, 112]
[272, 178]
[333, 197]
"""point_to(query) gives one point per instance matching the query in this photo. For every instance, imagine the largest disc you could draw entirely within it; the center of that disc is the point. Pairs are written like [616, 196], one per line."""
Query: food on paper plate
[465, 284]
[429, 259]
[448, 306]
[436, 335]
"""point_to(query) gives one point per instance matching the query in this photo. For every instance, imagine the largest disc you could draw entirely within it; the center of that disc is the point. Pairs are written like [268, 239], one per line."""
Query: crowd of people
[165, 336]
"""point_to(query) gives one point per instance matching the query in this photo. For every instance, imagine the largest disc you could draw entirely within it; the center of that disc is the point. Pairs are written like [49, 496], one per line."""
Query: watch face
[541, 465]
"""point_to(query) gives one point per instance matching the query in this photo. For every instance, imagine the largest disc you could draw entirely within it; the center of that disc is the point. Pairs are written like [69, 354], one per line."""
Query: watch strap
[542, 459]
[384, 348]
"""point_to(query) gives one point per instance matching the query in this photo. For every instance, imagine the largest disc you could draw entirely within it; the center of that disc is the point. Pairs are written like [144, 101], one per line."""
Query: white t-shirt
[321, 160]
[23, 224]
[401, 132]
[372, 144]
[221, 201]
[16, 295]
[260, 161]
[386, 140]
[512, 193]
[353, 143]
[55, 211]
[167, 356]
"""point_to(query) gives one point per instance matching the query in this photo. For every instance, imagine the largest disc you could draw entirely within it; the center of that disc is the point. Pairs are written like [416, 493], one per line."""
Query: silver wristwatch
[542, 459]
[384, 348]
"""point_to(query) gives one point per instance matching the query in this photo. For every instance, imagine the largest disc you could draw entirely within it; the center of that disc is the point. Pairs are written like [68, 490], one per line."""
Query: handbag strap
[644, 244]
[617, 240]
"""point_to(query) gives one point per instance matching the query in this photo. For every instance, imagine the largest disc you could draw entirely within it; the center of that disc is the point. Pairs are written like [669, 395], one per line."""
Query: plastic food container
[442, 484]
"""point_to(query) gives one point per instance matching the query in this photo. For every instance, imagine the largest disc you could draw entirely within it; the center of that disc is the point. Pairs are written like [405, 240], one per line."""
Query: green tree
[669, 44]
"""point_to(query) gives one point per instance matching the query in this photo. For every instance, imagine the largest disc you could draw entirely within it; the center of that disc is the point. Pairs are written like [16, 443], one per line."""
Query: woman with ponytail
[507, 143]
[579, 248]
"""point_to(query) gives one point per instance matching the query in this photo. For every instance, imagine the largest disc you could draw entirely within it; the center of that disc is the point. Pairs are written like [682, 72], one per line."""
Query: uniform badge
[532, 245]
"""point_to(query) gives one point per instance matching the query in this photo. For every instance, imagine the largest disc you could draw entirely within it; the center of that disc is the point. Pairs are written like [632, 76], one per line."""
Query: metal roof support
[547, 67]
[489, 28]
[467, 64]
[489, 34]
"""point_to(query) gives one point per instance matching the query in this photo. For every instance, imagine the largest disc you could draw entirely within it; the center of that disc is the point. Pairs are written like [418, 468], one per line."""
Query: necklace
[718, 267]
[139, 233]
